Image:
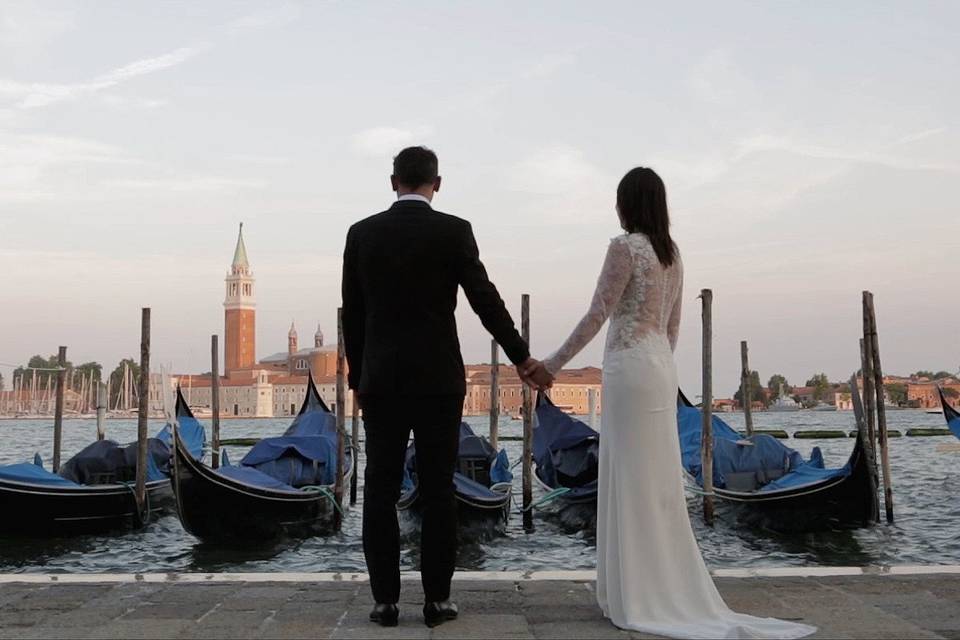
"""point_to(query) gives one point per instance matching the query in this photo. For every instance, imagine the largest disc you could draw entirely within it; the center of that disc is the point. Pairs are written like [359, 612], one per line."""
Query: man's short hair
[415, 166]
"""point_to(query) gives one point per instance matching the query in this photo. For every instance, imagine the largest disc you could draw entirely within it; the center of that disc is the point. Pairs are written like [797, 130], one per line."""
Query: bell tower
[239, 344]
[291, 347]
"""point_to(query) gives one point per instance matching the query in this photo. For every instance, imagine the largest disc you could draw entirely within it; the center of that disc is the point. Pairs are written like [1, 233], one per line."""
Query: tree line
[40, 367]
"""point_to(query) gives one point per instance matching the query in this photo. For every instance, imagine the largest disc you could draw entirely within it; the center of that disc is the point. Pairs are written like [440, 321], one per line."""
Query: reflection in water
[926, 484]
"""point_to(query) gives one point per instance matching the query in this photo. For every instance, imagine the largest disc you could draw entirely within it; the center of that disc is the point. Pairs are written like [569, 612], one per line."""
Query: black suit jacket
[401, 271]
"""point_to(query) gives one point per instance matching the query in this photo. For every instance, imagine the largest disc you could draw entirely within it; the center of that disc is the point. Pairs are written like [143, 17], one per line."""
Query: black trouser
[387, 422]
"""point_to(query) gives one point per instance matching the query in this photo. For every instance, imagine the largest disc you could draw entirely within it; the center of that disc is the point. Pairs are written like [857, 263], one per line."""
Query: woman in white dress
[650, 574]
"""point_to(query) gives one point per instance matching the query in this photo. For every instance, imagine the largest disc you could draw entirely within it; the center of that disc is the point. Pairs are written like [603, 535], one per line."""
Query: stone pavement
[844, 606]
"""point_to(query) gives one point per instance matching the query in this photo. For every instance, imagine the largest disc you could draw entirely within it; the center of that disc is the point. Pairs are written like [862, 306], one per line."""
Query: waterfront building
[571, 390]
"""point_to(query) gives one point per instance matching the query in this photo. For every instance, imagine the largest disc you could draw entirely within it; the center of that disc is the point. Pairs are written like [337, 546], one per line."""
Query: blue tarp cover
[191, 433]
[106, 458]
[251, 476]
[566, 452]
[305, 455]
[767, 454]
[295, 460]
[33, 474]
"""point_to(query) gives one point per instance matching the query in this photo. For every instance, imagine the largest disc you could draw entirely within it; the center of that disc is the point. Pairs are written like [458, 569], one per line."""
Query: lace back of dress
[644, 316]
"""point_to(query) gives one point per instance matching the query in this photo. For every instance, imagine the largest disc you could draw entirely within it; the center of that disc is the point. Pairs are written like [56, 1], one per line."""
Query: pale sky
[810, 151]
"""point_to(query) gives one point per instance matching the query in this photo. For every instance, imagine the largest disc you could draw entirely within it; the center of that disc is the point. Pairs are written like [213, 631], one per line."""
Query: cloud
[193, 184]
[381, 141]
[32, 95]
[30, 25]
[717, 79]
[765, 142]
[556, 169]
[920, 135]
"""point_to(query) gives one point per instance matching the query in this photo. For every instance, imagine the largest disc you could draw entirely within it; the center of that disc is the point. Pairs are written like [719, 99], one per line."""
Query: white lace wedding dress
[650, 574]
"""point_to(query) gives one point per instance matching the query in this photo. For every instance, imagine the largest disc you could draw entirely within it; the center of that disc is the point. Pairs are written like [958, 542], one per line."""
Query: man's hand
[534, 374]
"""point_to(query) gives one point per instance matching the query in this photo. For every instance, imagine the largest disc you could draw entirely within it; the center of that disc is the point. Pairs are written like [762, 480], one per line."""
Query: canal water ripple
[926, 493]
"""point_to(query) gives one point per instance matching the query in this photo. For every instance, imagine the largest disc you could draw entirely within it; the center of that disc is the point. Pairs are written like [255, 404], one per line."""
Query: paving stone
[168, 611]
[136, 629]
[294, 631]
[847, 607]
[493, 625]
[576, 630]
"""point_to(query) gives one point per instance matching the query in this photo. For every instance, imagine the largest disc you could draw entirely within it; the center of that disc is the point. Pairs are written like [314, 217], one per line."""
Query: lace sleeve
[673, 325]
[616, 272]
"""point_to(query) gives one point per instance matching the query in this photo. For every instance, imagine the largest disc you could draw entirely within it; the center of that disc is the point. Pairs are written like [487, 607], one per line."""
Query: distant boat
[951, 415]
[283, 486]
[823, 406]
[784, 402]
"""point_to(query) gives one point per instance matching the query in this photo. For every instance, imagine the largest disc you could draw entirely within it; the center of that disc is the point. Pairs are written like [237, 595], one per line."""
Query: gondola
[951, 415]
[566, 460]
[93, 492]
[282, 487]
[483, 485]
[772, 486]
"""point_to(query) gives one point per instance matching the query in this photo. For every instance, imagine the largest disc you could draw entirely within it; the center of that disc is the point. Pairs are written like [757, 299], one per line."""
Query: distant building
[571, 390]
[924, 394]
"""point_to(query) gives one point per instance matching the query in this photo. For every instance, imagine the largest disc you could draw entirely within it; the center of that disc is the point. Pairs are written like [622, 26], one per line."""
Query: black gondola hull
[214, 508]
[65, 511]
[849, 502]
[476, 519]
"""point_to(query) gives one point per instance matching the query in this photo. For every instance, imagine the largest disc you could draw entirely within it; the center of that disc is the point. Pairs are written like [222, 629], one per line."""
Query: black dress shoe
[386, 615]
[435, 613]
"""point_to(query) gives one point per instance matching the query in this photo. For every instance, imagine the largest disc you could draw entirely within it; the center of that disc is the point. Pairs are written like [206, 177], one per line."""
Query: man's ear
[393, 183]
[436, 184]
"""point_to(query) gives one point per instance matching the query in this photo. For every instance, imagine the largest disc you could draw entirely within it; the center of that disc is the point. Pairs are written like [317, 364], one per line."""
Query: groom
[401, 272]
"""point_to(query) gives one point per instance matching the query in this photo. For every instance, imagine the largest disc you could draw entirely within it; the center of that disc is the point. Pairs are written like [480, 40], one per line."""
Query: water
[926, 489]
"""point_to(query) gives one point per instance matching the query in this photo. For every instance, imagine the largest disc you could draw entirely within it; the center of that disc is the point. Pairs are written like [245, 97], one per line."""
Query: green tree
[774, 386]
[922, 374]
[3, 384]
[116, 378]
[821, 386]
[897, 392]
[85, 369]
[940, 375]
[756, 390]
[37, 366]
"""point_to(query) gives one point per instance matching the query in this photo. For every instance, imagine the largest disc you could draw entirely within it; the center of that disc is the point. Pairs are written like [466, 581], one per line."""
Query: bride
[650, 574]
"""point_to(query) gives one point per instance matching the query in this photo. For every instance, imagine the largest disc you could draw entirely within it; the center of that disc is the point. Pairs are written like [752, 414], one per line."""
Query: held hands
[534, 374]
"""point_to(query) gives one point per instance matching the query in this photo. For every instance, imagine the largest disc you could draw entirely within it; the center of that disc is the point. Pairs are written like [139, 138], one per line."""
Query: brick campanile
[240, 330]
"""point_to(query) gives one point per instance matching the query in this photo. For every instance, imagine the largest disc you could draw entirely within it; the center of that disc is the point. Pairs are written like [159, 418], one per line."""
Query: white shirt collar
[413, 196]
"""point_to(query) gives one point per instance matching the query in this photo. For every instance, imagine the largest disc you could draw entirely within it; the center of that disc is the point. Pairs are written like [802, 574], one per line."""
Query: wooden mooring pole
[866, 371]
[101, 408]
[494, 394]
[706, 436]
[870, 315]
[58, 412]
[746, 393]
[143, 410]
[527, 425]
[215, 400]
[355, 443]
[341, 422]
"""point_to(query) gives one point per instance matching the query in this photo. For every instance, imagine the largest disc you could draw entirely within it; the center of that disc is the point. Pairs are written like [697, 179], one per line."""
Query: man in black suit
[401, 272]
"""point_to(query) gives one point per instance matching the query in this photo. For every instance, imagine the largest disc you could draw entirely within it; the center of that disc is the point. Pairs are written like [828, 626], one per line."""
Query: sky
[810, 151]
